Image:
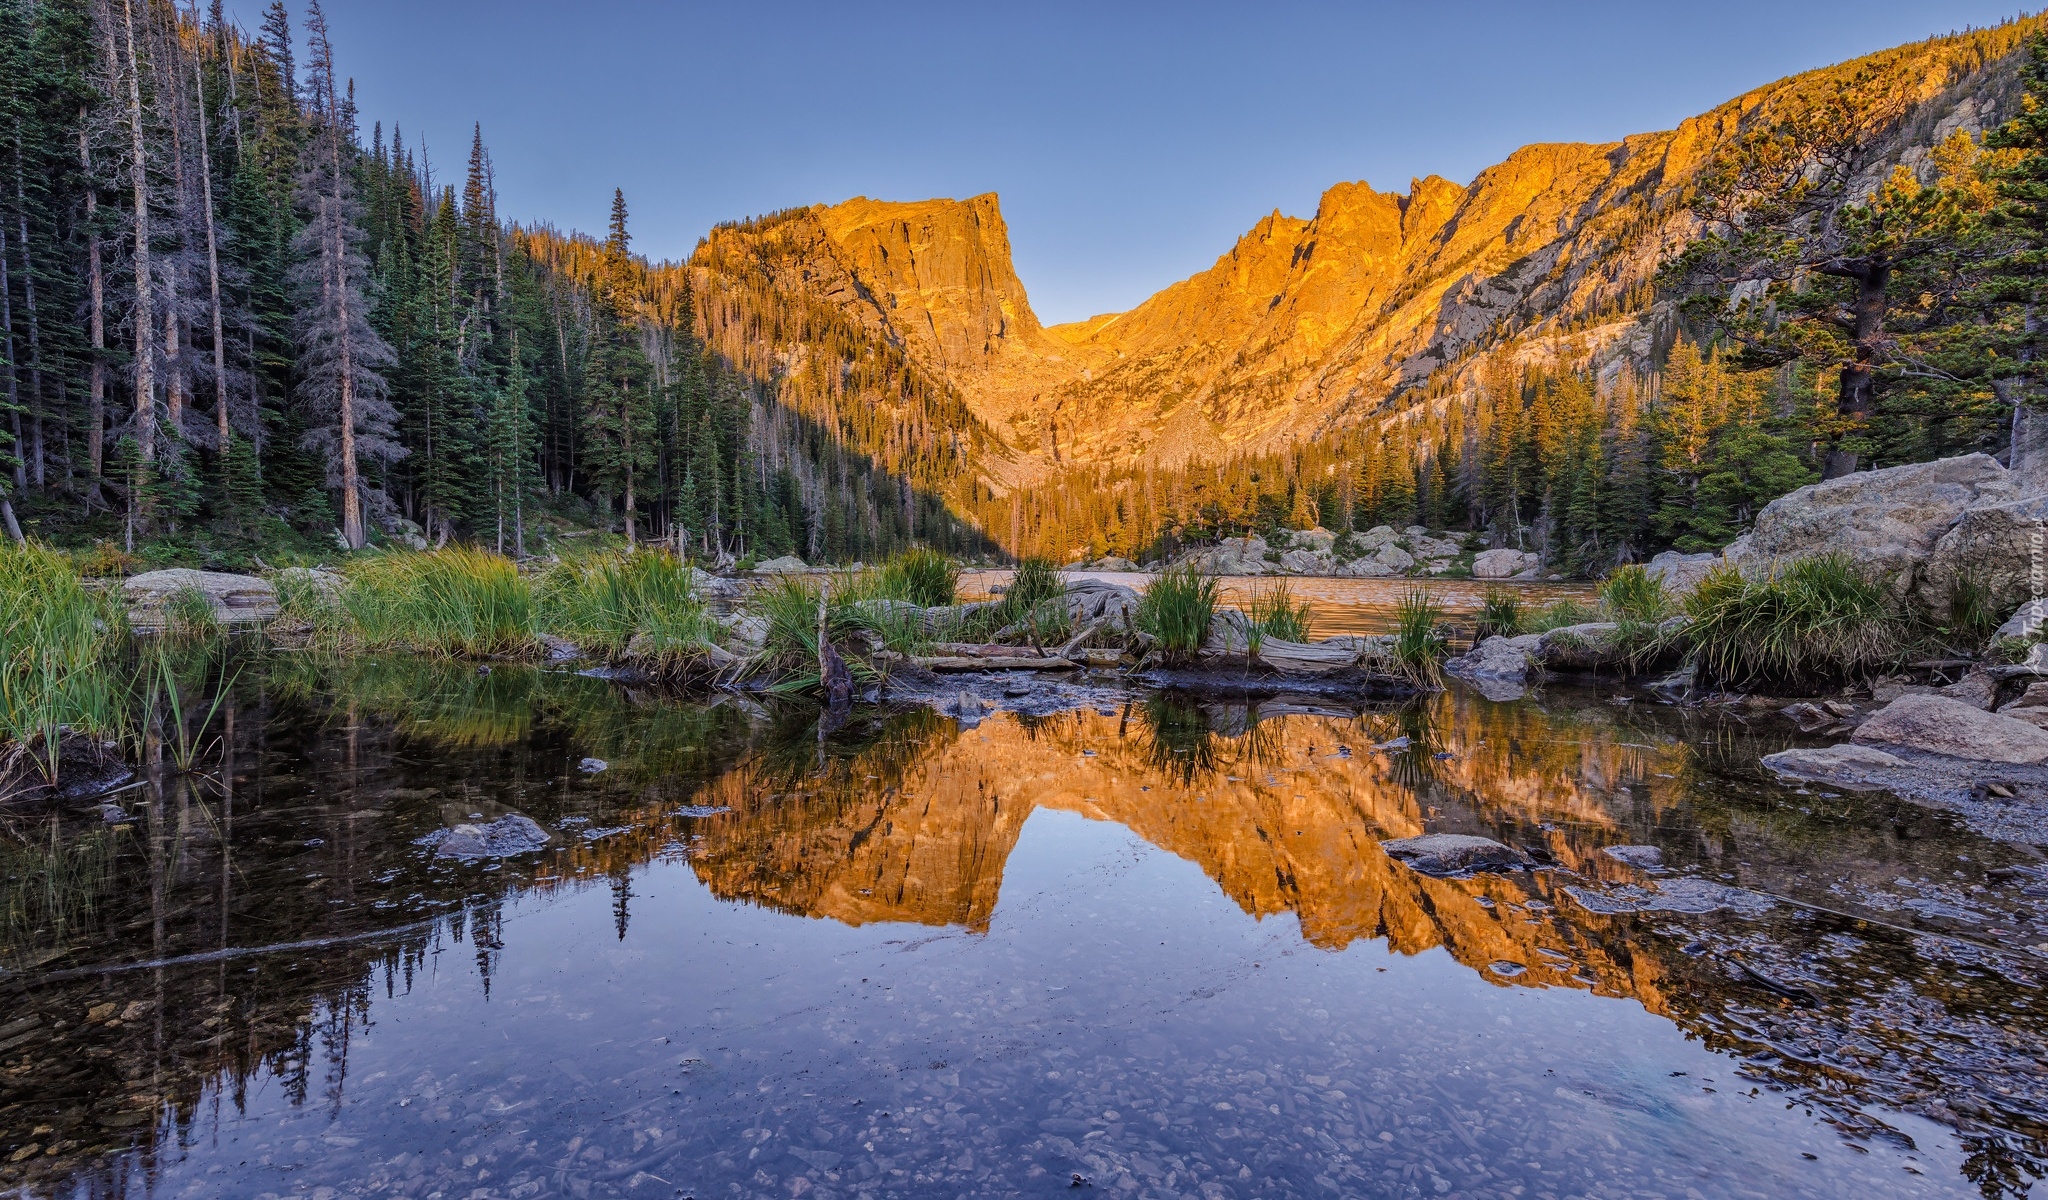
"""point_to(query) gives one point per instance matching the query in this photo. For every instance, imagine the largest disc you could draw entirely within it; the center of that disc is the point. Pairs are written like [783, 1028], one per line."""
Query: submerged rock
[1941, 725]
[1855, 768]
[1635, 856]
[1445, 854]
[1683, 895]
[508, 835]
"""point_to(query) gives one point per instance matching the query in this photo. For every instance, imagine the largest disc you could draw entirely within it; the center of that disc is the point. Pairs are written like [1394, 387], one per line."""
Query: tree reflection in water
[304, 823]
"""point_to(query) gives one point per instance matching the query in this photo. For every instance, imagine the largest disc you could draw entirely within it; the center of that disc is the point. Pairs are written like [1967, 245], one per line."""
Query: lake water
[1338, 606]
[1144, 946]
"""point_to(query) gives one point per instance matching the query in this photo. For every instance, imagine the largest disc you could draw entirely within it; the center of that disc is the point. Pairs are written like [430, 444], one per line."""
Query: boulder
[1992, 545]
[1856, 768]
[1394, 559]
[1307, 562]
[715, 587]
[1316, 541]
[788, 564]
[1366, 568]
[1111, 562]
[1234, 556]
[236, 599]
[1372, 539]
[318, 581]
[1890, 520]
[1444, 854]
[745, 633]
[508, 835]
[1426, 548]
[1498, 659]
[2028, 622]
[1089, 599]
[405, 533]
[2037, 717]
[1681, 573]
[1504, 563]
[1977, 689]
[1498, 668]
[1941, 725]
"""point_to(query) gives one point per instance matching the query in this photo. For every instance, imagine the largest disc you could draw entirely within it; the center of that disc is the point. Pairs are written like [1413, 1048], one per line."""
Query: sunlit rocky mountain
[1311, 323]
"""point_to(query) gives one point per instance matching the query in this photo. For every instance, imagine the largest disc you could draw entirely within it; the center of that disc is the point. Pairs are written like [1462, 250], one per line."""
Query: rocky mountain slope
[1308, 324]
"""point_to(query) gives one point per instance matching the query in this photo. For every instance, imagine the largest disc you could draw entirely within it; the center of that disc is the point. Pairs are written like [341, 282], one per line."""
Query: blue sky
[1131, 143]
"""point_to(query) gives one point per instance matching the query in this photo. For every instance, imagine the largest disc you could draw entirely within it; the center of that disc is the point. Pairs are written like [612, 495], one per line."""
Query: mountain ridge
[1306, 325]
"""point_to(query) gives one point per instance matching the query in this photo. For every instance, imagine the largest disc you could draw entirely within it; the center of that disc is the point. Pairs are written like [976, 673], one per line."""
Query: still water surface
[1146, 946]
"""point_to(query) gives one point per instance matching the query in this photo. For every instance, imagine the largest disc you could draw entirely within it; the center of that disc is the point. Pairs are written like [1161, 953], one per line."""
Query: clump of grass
[1559, 613]
[1500, 614]
[189, 616]
[1419, 639]
[1176, 611]
[458, 601]
[790, 646]
[58, 641]
[645, 602]
[1971, 610]
[1275, 613]
[1036, 581]
[1035, 603]
[921, 576]
[1818, 620]
[1631, 593]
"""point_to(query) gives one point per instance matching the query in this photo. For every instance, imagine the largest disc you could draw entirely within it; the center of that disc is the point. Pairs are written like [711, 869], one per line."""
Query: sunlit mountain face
[1145, 938]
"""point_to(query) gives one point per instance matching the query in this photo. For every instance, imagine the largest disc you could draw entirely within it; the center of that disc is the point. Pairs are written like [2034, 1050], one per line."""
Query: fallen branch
[1007, 663]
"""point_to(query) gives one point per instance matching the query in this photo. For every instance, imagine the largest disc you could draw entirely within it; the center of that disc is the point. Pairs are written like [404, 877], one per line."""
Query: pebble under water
[1135, 945]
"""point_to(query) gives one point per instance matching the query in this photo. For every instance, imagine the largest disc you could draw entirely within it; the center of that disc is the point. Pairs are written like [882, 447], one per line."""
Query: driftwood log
[1010, 662]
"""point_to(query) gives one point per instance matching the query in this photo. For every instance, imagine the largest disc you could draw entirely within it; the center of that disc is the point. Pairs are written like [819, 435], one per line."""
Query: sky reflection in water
[1152, 943]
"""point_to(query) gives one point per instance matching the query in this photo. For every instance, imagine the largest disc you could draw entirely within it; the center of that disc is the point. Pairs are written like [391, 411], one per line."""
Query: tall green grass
[646, 601]
[1176, 611]
[189, 616]
[1972, 611]
[790, 606]
[1500, 614]
[59, 642]
[1275, 613]
[1419, 638]
[1817, 620]
[1559, 613]
[1631, 593]
[922, 577]
[1035, 603]
[455, 601]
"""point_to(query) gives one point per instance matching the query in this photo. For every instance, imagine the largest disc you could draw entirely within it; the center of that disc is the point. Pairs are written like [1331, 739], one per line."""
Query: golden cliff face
[938, 273]
[1278, 815]
[1306, 325]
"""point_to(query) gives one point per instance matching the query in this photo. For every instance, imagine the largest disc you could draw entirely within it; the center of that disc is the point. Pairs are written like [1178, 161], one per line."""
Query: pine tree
[340, 355]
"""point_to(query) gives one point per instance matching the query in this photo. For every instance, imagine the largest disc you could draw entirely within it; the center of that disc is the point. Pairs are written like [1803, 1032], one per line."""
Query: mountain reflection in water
[309, 828]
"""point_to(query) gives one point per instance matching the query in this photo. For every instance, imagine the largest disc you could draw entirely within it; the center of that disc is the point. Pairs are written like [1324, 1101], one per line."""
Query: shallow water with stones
[1140, 946]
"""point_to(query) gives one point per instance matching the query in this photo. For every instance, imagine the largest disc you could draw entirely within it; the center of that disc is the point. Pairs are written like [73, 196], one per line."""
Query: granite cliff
[1306, 325]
